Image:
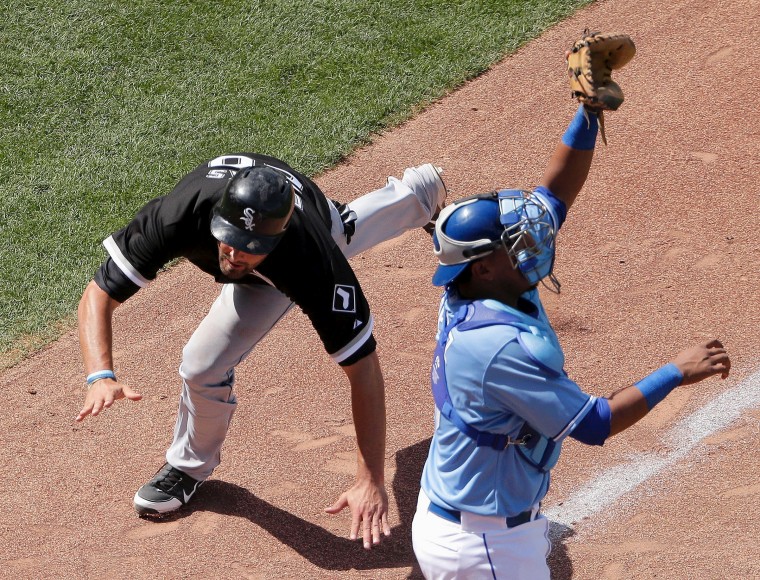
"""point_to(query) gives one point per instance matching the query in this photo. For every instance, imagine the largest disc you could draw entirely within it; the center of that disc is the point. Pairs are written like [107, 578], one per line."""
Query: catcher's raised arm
[589, 68]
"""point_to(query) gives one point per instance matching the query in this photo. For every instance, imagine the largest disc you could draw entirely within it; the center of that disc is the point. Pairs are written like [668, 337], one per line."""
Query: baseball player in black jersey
[272, 239]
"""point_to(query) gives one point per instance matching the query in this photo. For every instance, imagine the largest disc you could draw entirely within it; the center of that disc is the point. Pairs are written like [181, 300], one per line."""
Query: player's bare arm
[367, 498]
[567, 171]
[695, 364]
[95, 314]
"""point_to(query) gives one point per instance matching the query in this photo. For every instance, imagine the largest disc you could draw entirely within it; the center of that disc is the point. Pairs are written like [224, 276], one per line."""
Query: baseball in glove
[589, 68]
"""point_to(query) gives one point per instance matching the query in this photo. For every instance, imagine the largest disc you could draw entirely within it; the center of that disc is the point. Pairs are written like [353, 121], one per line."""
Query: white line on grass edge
[615, 482]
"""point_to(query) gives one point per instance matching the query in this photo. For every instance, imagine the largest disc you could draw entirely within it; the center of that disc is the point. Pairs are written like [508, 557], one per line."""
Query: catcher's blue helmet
[474, 227]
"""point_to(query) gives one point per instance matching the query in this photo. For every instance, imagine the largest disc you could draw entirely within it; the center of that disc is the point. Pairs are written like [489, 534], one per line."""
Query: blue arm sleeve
[594, 428]
[656, 386]
[581, 134]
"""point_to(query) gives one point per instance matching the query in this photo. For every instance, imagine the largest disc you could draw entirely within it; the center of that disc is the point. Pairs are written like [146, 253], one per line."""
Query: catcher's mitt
[589, 68]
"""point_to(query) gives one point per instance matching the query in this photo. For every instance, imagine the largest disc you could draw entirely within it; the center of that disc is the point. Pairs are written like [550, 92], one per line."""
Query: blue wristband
[97, 375]
[655, 387]
[581, 133]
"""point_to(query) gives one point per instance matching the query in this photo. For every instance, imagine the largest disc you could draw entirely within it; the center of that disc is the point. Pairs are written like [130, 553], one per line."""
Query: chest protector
[538, 450]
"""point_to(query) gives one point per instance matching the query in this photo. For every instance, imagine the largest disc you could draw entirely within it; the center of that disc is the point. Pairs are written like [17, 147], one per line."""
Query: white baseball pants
[243, 314]
[480, 547]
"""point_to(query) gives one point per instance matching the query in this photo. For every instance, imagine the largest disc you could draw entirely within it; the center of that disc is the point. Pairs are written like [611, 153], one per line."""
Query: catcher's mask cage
[476, 226]
[254, 211]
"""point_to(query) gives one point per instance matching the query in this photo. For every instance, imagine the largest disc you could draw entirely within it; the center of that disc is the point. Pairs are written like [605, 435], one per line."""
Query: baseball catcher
[589, 69]
[504, 403]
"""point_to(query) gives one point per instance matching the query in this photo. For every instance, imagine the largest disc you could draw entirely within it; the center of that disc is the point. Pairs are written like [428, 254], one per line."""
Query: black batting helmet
[254, 211]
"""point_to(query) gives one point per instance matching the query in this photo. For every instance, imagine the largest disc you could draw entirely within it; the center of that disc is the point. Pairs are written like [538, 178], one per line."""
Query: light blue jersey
[497, 384]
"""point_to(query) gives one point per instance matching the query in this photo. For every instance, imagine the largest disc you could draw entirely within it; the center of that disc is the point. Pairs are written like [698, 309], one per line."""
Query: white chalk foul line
[619, 480]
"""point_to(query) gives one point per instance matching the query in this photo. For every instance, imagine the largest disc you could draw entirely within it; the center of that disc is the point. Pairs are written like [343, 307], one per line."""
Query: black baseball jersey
[306, 265]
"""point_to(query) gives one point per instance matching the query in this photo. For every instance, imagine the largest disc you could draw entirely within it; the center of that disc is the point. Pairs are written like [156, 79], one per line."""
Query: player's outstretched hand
[699, 362]
[103, 394]
[368, 503]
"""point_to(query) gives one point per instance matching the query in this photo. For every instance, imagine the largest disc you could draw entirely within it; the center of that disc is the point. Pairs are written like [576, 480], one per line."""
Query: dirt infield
[661, 250]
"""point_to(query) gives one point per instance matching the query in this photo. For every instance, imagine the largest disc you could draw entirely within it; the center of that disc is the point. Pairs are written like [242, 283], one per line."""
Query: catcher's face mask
[475, 227]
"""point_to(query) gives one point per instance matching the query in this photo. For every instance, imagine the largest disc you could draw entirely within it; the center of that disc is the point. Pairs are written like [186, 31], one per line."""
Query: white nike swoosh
[189, 495]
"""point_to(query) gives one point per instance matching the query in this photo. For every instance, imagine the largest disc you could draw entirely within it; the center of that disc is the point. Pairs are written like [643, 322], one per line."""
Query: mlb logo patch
[344, 298]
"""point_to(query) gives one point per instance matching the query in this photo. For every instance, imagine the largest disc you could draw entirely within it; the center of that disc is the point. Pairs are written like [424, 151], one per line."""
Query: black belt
[456, 516]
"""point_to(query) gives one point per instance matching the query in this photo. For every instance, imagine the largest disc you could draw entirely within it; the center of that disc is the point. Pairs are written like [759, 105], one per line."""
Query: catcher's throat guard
[519, 222]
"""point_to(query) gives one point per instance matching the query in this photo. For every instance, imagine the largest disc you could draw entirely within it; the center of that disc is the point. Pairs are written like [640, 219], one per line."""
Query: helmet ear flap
[465, 230]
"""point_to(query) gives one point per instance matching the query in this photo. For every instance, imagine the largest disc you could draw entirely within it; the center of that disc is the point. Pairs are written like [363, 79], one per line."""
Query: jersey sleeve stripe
[577, 419]
[127, 269]
[356, 343]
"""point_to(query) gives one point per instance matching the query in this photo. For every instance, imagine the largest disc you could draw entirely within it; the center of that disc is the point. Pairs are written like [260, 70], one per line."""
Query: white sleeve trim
[127, 269]
[577, 419]
[356, 343]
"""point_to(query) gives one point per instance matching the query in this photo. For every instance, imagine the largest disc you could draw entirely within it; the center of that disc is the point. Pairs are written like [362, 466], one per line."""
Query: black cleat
[169, 490]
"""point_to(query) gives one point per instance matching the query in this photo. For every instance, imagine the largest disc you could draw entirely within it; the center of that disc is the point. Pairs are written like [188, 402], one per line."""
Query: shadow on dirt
[319, 546]
[559, 561]
[331, 552]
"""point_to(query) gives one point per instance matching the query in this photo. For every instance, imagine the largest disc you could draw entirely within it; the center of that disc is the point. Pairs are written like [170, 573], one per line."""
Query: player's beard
[234, 270]
[231, 272]
[236, 264]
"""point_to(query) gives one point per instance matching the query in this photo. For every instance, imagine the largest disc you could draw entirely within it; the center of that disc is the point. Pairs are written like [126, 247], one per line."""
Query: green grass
[103, 105]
